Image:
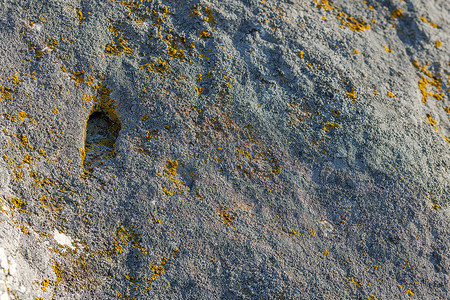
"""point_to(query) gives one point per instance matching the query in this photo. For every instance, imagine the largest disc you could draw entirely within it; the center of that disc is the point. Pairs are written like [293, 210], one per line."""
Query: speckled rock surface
[224, 149]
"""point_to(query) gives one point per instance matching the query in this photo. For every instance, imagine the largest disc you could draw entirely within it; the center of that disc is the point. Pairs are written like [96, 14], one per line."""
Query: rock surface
[234, 149]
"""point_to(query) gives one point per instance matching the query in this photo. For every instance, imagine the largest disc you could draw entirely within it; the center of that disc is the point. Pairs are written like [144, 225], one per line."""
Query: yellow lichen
[352, 23]
[226, 216]
[27, 159]
[199, 90]
[124, 237]
[324, 4]
[388, 50]
[390, 94]
[293, 232]
[205, 34]
[167, 191]
[431, 23]
[121, 47]
[155, 220]
[432, 81]
[432, 122]
[6, 93]
[208, 16]
[108, 105]
[17, 203]
[22, 115]
[328, 125]
[352, 95]
[52, 43]
[45, 284]
[161, 67]
[397, 13]
[175, 50]
[57, 270]
[244, 152]
[157, 271]
[171, 166]
[80, 15]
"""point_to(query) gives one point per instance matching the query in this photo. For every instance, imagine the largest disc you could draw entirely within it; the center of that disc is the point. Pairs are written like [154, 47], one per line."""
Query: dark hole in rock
[101, 136]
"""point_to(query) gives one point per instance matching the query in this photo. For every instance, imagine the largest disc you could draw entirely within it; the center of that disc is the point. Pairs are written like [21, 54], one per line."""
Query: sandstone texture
[234, 149]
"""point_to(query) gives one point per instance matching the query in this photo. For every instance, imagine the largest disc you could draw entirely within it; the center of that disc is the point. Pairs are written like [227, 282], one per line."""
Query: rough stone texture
[233, 149]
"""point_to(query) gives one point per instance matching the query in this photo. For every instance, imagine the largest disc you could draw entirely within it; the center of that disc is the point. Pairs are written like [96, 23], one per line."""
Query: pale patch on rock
[4, 296]
[4, 265]
[12, 266]
[62, 239]
[327, 227]
[3, 260]
[37, 27]
[4, 180]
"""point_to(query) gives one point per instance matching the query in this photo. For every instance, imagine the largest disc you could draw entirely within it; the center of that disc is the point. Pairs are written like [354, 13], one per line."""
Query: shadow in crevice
[101, 136]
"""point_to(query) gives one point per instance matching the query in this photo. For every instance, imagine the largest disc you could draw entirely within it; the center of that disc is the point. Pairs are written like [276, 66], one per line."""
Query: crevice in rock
[101, 135]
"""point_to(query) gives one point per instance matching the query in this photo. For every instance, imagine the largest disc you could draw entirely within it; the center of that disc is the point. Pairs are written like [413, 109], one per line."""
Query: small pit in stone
[101, 136]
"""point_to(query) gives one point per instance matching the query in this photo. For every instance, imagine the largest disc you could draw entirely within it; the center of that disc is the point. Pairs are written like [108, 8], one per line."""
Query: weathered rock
[224, 149]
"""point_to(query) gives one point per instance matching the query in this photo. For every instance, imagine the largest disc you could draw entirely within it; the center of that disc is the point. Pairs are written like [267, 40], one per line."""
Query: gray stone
[234, 149]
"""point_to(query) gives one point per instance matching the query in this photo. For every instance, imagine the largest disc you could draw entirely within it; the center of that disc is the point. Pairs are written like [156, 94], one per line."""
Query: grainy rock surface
[235, 149]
